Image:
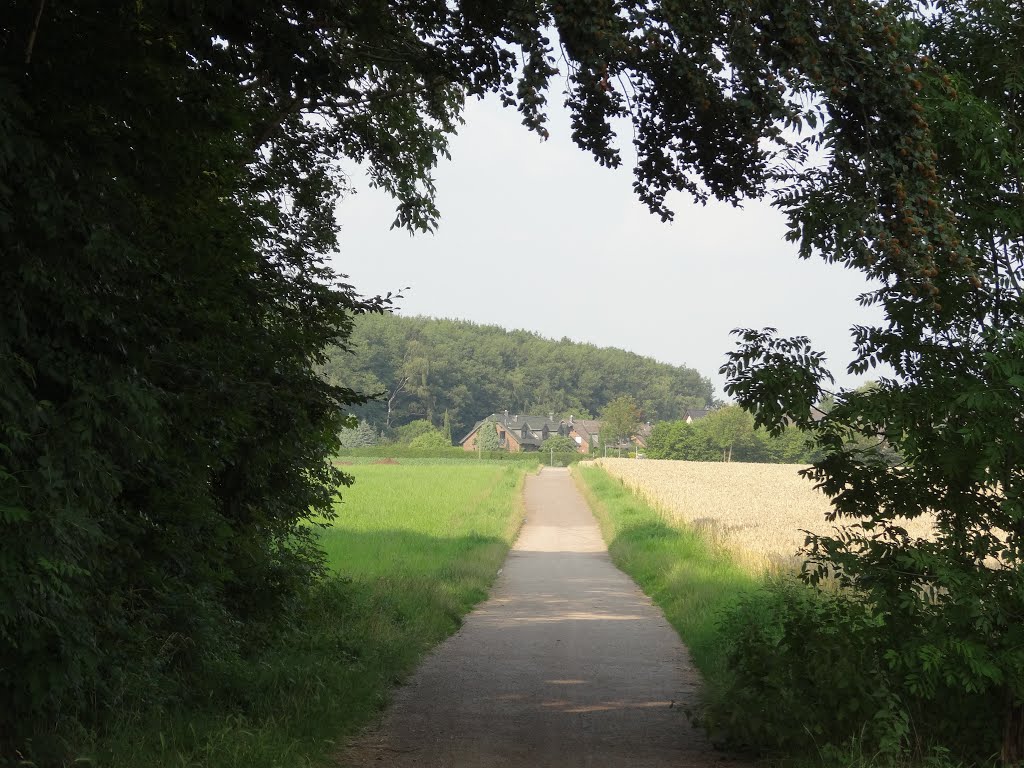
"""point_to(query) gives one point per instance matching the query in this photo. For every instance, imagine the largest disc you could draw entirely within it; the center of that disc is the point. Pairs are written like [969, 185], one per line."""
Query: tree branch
[31, 44]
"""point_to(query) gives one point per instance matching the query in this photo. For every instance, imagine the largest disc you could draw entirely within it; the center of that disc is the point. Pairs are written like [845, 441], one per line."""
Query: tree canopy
[703, 441]
[620, 420]
[422, 367]
[170, 172]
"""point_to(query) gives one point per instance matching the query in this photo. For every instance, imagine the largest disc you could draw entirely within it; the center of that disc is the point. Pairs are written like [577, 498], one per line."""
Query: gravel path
[567, 664]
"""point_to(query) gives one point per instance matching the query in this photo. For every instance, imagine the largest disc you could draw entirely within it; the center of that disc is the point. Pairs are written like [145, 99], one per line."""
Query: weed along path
[567, 664]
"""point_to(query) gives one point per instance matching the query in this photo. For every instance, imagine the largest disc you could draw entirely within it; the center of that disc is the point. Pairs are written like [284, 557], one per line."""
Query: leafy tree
[679, 440]
[163, 301]
[696, 442]
[487, 438]
[620, 420]
[559, 444]
[361, 435]
[791, 446]
[727, 427]
[954, 335]
[521, 371]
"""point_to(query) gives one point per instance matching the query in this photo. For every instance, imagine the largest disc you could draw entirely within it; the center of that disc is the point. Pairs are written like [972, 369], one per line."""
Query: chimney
[570, 418]
[551, 417]
[515, 419]
[506, 416]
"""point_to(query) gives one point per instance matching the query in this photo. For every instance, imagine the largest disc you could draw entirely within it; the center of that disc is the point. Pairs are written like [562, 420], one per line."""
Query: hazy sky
[535, 235]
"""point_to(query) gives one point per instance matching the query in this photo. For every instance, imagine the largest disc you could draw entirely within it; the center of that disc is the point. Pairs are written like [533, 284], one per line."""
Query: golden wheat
[757, 510]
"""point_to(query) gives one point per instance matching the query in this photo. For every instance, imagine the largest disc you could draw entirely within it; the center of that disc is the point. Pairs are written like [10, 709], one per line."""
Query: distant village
[522, 433]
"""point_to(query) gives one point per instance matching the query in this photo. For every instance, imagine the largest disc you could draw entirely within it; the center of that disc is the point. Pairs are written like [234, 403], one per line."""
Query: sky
[535, 235]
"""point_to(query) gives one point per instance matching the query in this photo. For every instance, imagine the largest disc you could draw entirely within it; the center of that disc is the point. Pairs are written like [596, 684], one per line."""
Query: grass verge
[690, 578]
[413, 549]
[696, 582]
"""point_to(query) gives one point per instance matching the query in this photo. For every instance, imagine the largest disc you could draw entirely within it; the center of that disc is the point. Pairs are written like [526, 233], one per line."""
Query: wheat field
[757, 510]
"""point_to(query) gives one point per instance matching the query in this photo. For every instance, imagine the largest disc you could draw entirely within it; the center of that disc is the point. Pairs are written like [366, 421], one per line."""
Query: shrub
[804, 669]
[432, 439]
[813, 670]
[406, 433]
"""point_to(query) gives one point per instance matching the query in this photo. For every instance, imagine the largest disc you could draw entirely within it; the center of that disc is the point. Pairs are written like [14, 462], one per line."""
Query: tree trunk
[1013, 734]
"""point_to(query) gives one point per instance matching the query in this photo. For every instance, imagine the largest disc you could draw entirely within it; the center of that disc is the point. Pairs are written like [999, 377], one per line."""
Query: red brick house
[519, 432]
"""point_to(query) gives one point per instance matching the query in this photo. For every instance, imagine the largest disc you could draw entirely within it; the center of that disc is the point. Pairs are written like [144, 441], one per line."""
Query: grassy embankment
[690, 577]
[695, 580]
[413, 549]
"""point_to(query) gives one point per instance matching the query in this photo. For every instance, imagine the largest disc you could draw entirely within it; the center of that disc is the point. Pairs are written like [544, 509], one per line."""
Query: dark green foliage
[560, 451]
[954, 336]
[424, 367]
[169, 176]
[405, 434]
[809, 669]
[432, 439]
[838, 692]
[679, 440]
[620, 420]
[164, 209]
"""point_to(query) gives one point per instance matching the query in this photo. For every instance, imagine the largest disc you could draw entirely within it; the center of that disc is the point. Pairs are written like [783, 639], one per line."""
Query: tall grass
[413, 549]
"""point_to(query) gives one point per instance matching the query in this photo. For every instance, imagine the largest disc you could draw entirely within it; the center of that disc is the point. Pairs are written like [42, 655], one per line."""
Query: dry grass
[759, 511]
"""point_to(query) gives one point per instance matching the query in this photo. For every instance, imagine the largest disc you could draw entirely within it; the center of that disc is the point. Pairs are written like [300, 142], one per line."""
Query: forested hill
[426, 366]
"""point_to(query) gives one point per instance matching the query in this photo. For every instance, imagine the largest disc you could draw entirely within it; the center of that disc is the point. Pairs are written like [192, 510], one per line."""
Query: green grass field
[413, 549]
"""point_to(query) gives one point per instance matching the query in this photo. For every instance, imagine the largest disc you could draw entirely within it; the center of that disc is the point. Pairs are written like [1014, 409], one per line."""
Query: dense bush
[432, 439]
[164, 304]
[812, 670]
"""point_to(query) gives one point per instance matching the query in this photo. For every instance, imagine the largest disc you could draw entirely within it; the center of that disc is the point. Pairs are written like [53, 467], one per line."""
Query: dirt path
[567, 664]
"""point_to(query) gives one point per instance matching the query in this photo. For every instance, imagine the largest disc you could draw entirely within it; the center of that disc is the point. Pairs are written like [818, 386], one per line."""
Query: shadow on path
[567, 664]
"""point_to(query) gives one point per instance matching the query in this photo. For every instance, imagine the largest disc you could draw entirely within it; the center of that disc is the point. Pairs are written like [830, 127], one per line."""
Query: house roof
[587, 427]
[516, 421]
[642, 434]
[695, 413]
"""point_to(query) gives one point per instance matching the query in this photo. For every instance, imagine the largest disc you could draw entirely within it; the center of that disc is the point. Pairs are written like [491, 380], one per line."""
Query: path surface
[567, 664]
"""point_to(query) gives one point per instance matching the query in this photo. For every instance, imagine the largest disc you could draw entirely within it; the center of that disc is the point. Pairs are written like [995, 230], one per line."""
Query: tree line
[435, 369]
[728, 434]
